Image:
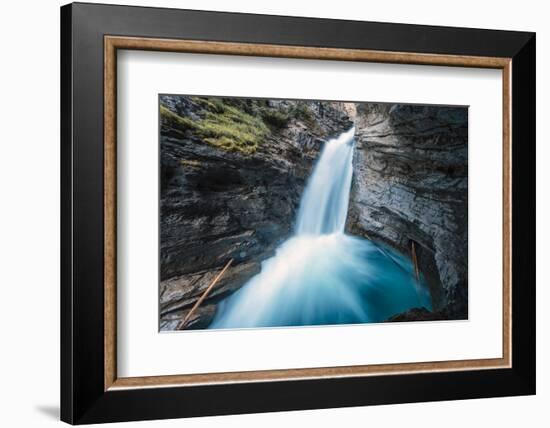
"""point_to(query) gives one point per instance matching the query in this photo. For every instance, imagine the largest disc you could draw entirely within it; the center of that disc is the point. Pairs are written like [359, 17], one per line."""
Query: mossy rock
[222, 124]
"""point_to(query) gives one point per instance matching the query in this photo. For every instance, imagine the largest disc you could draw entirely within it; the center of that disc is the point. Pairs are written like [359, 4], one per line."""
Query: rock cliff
[410, 190]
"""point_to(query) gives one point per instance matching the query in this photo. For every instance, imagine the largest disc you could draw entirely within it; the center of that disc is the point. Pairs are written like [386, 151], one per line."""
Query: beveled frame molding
[88, 202]
[114, 43]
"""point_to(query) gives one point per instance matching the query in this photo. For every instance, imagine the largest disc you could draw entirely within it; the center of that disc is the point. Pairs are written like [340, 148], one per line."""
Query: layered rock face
[410, 190]
[230, 195]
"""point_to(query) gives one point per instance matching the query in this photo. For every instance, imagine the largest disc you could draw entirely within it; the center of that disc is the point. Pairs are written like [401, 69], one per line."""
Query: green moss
[174, 121]
[211, 104]
[222, 125]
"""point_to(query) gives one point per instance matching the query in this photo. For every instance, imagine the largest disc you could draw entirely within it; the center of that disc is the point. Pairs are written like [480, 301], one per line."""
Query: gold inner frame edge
[113, 43]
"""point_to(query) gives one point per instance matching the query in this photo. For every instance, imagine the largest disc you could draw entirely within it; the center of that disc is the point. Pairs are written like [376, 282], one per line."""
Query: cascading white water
[321, 275]
[324, 204]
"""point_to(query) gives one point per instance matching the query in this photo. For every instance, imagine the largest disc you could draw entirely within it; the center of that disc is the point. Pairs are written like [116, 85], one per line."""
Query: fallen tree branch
[415, 261]
[204, 295]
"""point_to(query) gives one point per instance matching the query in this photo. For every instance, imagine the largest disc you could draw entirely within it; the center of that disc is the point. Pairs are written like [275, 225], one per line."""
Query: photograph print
[291, 213]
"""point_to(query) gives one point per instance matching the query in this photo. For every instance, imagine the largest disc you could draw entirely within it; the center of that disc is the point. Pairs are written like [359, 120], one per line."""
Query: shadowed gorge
[321, 275]
[233, 187]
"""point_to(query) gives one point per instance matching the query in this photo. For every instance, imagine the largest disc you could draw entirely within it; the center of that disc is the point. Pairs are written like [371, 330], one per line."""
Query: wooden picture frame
[91, 390]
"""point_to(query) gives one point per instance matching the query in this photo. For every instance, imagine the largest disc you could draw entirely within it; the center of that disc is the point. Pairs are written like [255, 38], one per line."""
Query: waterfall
[321, 275]
[324, 205]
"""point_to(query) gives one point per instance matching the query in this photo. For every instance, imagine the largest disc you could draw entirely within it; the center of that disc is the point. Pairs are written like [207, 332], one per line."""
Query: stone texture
[410, 187]
[418, 314]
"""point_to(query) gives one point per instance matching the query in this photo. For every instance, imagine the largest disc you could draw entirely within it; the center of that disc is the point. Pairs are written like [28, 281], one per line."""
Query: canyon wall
[410, 191]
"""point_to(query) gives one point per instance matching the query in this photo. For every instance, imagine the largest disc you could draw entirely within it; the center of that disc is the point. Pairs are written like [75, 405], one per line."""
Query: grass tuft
[174, 121]
[222, 125]
[235, 124]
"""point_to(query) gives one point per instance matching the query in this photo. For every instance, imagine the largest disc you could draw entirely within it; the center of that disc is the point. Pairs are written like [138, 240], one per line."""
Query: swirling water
[321, 275]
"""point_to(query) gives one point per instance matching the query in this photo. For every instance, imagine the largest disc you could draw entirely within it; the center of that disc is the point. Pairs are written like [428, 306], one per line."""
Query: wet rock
[419, 314]
[410, 188]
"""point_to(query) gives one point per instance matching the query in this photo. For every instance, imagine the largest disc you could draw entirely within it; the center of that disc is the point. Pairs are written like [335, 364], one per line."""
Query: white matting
[143, 351]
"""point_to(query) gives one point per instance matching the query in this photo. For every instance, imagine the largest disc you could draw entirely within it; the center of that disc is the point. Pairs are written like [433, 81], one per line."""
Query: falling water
[324, 205]
[322, 275]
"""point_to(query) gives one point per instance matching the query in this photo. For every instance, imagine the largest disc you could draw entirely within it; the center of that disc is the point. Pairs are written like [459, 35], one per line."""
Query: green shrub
[301, 111]
[212, 104]
[275, 118]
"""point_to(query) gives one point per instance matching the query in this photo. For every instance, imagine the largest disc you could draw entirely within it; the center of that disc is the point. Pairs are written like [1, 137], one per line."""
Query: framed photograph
[265, 213]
